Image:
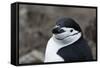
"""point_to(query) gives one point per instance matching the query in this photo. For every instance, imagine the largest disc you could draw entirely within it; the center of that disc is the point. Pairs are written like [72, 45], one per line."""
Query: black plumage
[68, 22]
[78, 51]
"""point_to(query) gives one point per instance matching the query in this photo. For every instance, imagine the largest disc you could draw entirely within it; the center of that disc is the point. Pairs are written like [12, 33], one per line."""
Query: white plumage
[54, 45]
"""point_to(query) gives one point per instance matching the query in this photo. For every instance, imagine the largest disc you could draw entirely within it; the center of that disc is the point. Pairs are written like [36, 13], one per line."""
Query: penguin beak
[57, 30]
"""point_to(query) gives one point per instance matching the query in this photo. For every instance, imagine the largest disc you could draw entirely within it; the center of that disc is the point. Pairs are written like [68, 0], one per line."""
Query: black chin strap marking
[67, 36]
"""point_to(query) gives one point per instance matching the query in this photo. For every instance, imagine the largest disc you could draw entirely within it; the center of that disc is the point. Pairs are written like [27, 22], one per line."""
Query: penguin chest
[51, 53]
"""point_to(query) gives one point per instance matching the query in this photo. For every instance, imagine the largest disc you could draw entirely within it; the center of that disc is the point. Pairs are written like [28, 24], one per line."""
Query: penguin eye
[71, 30]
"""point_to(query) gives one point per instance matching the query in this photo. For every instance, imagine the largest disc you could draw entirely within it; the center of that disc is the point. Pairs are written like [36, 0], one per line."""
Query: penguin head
[66, 27]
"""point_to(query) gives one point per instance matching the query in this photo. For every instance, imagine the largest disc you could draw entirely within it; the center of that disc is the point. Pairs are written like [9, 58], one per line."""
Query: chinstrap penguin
[67, 43]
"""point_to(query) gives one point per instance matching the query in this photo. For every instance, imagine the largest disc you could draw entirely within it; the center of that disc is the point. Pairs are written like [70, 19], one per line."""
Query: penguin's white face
[66, 28]
[64, 32]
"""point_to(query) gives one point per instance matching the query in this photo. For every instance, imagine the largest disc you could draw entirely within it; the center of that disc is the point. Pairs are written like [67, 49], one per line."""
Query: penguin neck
[69, 40]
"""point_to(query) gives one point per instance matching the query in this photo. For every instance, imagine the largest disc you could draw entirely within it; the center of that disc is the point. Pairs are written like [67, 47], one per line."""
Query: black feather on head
[68, 22]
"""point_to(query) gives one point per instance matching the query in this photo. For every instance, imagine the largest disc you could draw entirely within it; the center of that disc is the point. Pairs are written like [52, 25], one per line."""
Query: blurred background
[37, 21]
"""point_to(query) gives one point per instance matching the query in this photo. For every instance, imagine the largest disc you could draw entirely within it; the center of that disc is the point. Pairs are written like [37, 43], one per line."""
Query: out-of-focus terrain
[36, 23]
